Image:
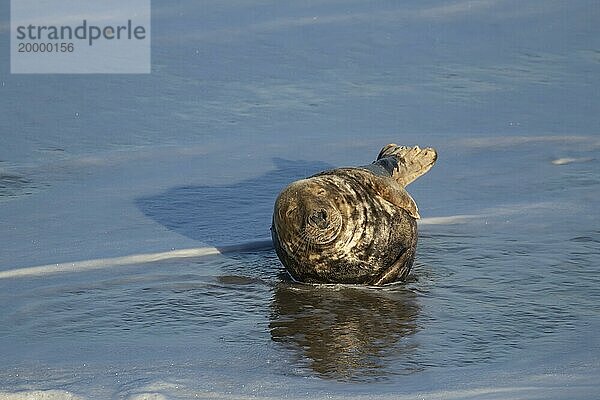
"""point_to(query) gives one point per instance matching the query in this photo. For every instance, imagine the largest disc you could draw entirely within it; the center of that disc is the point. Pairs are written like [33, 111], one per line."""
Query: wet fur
[350, 225]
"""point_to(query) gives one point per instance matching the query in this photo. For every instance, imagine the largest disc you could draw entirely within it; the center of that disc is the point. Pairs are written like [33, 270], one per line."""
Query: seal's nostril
[319, 218]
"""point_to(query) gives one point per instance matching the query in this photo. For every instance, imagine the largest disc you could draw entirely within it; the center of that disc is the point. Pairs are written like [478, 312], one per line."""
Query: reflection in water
[346, 332]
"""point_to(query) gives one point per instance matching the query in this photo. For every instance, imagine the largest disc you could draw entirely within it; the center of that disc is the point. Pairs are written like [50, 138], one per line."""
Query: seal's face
[307, 215]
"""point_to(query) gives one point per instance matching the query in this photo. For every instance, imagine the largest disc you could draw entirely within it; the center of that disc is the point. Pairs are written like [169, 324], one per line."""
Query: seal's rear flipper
[411, 162]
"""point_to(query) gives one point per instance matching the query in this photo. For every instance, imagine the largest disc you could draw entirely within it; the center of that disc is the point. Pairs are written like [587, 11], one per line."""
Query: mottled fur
[352, 225]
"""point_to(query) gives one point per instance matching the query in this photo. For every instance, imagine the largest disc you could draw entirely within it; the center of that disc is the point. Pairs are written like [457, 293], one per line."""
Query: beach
[135, 209]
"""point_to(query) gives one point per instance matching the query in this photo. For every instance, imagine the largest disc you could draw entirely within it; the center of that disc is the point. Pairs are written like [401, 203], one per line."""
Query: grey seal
[352, 225]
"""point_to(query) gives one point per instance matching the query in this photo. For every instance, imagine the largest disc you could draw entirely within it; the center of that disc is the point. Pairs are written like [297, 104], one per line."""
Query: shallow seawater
[503, 298]
[505, 295]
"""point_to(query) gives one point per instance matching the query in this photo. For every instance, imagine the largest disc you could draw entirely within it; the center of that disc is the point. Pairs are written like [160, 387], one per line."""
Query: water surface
[246, 97]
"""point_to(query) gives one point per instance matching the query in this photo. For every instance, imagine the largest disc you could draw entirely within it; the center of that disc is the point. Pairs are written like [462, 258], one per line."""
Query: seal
[352, 225]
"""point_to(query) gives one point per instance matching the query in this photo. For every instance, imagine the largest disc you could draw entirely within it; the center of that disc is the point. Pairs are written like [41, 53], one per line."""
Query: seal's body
[352, 225]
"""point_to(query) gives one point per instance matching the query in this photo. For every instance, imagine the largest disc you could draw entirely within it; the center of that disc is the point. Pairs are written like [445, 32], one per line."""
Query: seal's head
[306, 215]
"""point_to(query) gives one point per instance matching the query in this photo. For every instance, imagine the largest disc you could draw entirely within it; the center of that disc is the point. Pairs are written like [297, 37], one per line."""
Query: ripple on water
[469, 301]
[14, 185]
[155, 304]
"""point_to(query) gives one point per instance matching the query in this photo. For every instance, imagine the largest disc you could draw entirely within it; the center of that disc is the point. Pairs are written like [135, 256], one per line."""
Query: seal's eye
[321, 192]
[319, 218]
